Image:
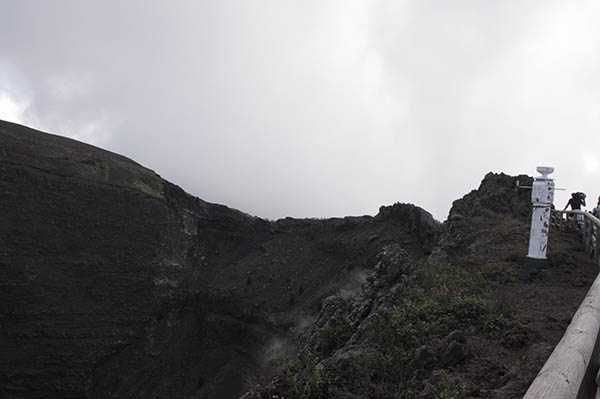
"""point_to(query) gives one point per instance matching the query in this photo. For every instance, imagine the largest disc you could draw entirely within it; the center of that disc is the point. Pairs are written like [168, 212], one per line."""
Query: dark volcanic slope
[91, 246]
[116, 283]
[78, 235]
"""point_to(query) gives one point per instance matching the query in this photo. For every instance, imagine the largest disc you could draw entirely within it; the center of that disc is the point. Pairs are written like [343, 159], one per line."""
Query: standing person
[596, 213]
[596, 210]
[577, 199]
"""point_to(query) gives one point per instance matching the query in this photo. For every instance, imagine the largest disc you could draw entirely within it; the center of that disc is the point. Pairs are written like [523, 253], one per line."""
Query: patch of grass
[488, 213]
[333, 337]
[482, 233]
[515, 367]
[447, 388]
[305, 380]
[440, 298]
[446, 278]
[92, 168]
[147, 189]
[498, 272]
[515, 256]
[445, 297]
[424, 315]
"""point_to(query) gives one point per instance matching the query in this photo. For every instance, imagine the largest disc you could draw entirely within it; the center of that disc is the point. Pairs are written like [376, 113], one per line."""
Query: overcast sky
[315, 108]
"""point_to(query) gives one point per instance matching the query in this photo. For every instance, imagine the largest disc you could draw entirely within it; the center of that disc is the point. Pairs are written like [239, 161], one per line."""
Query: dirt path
[546, 302]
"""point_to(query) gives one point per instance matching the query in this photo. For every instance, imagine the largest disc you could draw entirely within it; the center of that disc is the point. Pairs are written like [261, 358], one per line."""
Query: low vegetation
[441, 298]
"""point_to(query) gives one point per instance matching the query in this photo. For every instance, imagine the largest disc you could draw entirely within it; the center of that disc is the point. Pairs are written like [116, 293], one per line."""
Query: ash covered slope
[116, 283]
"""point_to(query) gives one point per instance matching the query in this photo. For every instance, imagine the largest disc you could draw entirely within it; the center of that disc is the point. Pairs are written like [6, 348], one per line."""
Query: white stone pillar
[542, 197]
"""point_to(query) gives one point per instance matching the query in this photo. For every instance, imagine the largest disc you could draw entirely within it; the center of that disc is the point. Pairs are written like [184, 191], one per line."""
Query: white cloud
[10, 109]
[590, 164]
[316, 108]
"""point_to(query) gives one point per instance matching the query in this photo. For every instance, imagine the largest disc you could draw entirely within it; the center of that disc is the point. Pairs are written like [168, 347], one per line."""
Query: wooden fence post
[597, 249]
[587, 235]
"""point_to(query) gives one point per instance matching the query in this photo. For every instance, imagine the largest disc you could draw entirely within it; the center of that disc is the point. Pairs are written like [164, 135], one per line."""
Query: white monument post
[542, 197]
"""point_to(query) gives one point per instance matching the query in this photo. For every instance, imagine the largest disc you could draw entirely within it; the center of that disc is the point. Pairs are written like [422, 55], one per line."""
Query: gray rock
[454, 353]
[424, 356]
[456, 336]
[415, 219]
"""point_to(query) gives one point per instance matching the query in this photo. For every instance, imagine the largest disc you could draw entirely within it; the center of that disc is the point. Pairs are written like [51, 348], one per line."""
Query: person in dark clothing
[596, 210]
[577, 199]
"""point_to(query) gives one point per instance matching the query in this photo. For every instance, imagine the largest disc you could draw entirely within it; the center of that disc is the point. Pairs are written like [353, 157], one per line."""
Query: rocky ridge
[463, 321]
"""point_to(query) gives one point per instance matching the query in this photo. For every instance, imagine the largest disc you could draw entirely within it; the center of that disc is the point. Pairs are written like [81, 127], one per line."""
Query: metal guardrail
[570, 371]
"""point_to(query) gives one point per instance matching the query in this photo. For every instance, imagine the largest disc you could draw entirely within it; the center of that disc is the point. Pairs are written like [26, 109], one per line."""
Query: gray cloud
[309, 108]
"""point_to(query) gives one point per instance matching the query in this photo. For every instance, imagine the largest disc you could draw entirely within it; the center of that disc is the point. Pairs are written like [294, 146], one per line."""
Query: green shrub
[447, 388]
[333, 337]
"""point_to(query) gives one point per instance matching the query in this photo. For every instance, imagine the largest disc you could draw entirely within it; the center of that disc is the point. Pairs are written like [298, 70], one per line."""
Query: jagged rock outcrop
[414, 219]
[339, 336]
[498, 193]
[344, 317]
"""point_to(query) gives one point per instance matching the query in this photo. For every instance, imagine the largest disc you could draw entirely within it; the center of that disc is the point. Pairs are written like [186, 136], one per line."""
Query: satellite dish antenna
[545, 170]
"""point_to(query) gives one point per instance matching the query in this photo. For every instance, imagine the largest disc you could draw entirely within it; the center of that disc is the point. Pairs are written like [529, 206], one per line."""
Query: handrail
[570, 370]
[590, 228]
